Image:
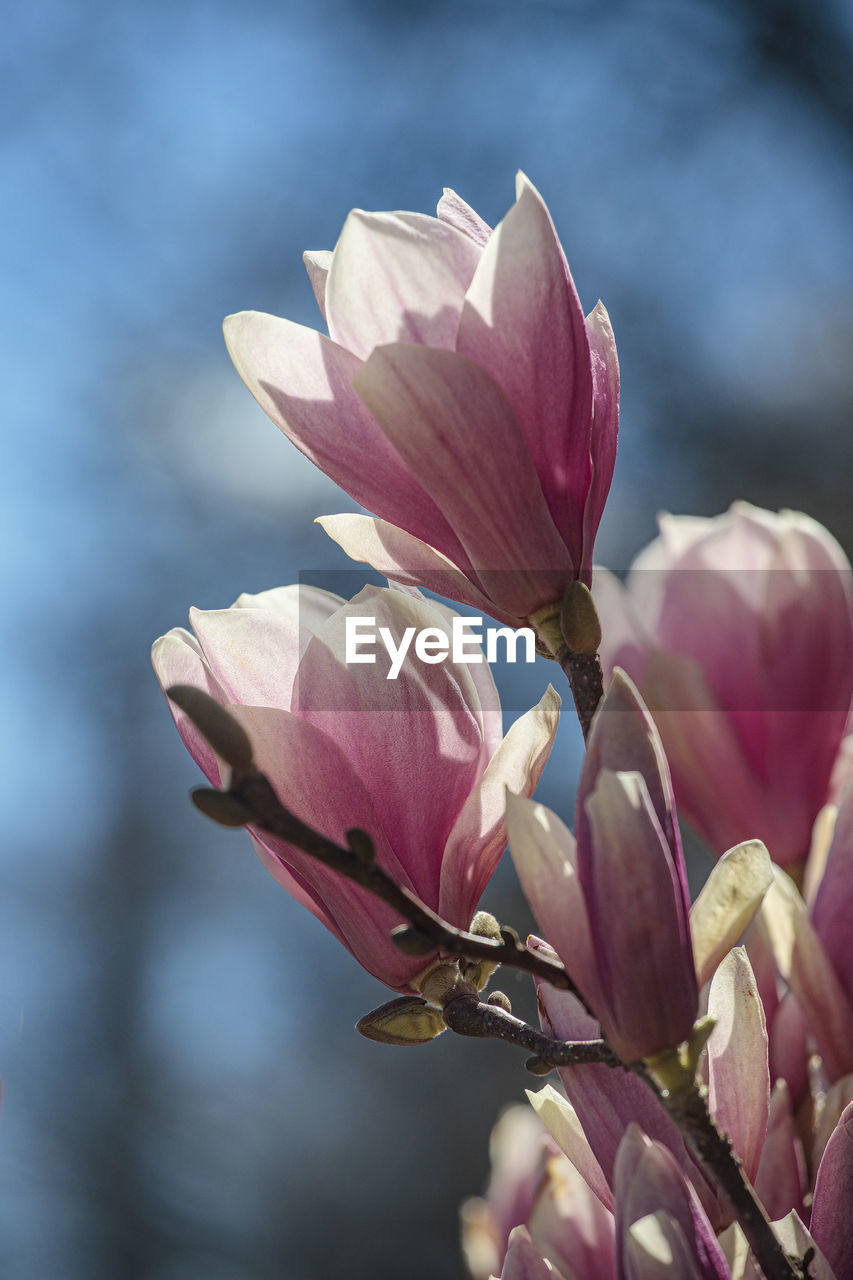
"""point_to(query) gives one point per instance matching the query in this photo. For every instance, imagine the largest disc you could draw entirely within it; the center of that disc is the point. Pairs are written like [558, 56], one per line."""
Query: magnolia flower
[739, 634]
[460, 396]
[418, 762]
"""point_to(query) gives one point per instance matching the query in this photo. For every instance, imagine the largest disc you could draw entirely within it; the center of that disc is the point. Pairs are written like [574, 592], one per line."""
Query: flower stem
[587, 681]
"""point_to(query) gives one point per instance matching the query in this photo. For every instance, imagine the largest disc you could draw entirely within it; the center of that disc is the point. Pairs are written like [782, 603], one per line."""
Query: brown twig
[587, 682]
[467, 1015]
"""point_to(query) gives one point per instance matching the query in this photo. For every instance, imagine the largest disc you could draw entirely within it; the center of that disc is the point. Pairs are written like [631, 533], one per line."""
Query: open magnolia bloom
[418, 762]
[460, 396]
[738, 632]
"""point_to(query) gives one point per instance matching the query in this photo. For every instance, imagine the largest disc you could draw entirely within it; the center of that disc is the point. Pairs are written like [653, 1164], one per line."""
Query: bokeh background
[185, 1096]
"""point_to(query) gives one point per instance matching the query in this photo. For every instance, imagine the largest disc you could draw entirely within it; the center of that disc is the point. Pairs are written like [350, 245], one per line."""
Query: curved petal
[453, 209]
[738, 1076]
[479, 834]
[458, 433]
[635, 908]
[312, 776]
[397, 277]
[624, 738]
[561, 1120]
[253, 648]
[780, 1181]
[727, 902]
[607, 1100]
[832, 1211]
[303, 381]
[523, 1260]
[177, 659]
[522, 322]
[605, 426]
[432, 709]
[405, 559]
[647, 1180]
[804, 965]
[832, 910]
[570, 1225]
[544, 853]
[317, 264]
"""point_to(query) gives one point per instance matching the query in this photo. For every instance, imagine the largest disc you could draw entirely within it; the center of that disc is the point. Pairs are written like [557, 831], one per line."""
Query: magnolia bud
[408, 1020]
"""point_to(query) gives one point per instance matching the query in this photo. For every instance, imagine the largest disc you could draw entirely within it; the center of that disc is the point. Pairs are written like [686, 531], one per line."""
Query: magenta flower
[418, 761]
[739, 634]
[461, 396]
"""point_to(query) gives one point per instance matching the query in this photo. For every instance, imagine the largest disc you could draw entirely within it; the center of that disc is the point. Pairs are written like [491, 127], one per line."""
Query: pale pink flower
[418, 762]
[461, 397]
[738, 631]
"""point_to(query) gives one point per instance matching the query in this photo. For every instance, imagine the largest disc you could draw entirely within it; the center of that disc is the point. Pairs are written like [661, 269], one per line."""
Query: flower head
[461, 396]
[417, 762]
[739, 634]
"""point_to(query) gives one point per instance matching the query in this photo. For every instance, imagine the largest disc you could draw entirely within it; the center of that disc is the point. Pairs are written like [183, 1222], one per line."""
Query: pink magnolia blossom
[461, 396]
[418, 762]
[738, 631]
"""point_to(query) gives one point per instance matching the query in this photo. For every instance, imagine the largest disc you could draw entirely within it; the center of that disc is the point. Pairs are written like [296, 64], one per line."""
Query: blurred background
[185, 1096]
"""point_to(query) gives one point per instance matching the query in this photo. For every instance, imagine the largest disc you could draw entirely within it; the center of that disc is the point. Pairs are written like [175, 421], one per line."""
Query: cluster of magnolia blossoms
[463, 398]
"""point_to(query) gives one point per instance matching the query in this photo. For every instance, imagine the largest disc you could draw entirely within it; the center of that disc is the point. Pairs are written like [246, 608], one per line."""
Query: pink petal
[804, 965]
[560, 1119]
[608, 1100]
[453, 210]
[457, 432]
[397, 277]
[647, 1180]
[832, 1211]
[624, 738]
[314, 779]
[479, 834]
[303, 381]
[605, 426]
[623, 641]
[177, 659]
[635, 908]
[253, 648]
[523, 1260]
[522, 322]
[544, 854]
[415, 741]
[738, 1077]
[407, 560]
[781, 1181]
[570, 1225]
[832, 911]
[317, 264]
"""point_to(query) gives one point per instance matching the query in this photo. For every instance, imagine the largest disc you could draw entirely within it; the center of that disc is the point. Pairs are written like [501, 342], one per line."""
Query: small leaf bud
[221, 806]
[538, 1067]
[500, 1001]
[405, 1021]
[579, 620]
